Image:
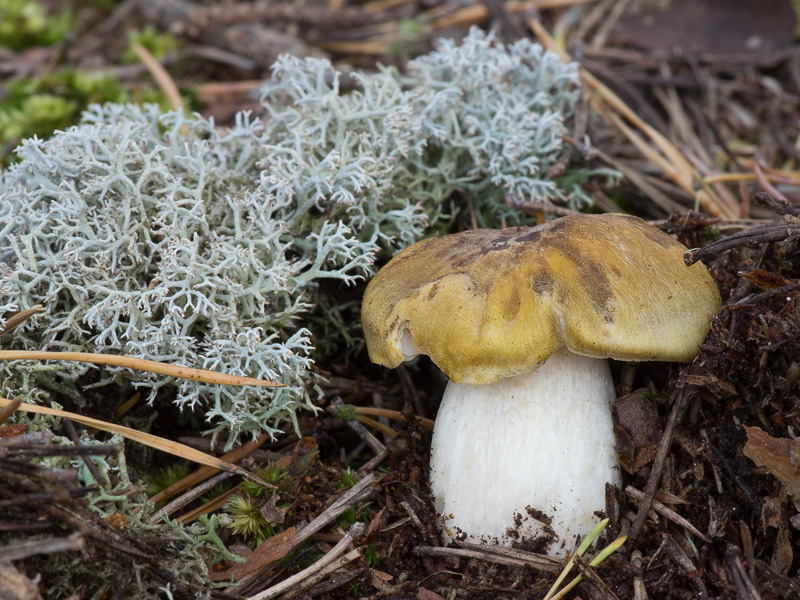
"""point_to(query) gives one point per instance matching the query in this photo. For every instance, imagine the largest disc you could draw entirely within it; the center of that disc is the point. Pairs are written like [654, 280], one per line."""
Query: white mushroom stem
[543, 440]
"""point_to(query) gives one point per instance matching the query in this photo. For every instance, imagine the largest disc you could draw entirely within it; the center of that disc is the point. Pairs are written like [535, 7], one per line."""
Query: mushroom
[521, 321]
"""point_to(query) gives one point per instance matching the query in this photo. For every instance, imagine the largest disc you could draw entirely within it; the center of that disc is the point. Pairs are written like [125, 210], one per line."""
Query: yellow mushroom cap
[488, 304]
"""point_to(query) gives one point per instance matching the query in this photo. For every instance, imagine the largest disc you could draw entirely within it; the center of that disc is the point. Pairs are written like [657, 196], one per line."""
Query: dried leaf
[781, 456]
[275, 548]
[272, 512]
[764, 279]
[426, 594]
[772, 515]
[638, 431]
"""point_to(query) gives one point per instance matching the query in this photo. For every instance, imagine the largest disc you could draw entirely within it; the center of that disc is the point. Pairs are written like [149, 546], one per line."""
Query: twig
[359, 492]
[639, 589]
[754, 299]
[184, 499]
[744, 585]
[658, 463]
[37, 498]
[667, 512]
[542, 561]
[319, 569]
[590, 574]
[765, 184]
[777, 203]
[73, 436]
[356, 426]
[372, 464]
[482, 555]
[59, 450]
[22, 550]
[337, 580]
[752, 237]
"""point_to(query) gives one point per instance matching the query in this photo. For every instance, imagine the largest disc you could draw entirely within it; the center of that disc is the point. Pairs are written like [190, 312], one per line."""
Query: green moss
[26, 23]
[157, 43]
[42, 105]
[162, 478]
[247, 520]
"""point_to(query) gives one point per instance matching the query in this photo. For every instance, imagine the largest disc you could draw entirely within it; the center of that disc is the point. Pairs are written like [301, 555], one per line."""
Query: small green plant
[247, 520]
[161, 478]
[374, 554]
[215, 492]
[347, 478]
[272, 473]
[354, 514]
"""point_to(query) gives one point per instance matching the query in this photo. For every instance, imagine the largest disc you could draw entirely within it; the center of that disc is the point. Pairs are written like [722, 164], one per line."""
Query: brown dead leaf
[638, 430]
[426, 594]
[773, 515]
[271, 512]
[275, 548]
[721, 389]
[764, 279]
[781, 456]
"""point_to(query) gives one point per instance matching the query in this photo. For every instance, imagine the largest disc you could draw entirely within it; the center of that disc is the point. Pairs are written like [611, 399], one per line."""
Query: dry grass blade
[208, 507]
[582, 547]
[139, 364]
[204, 473]
[670, 160]
[15, 320]
[147, 439]
[604, 554]
[667, 512]
[471, 15]
[9, 410]
[395, 415]
[159, 73]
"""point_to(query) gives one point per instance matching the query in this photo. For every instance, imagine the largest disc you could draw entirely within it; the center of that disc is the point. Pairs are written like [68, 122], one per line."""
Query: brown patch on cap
[487, 304]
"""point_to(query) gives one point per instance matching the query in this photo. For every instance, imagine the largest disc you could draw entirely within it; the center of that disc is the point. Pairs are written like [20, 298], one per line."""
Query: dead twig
[667, 512]
[591, 576]
[751, 237]
[52, 545]
[358, 427]
[319, 570]
[658, 464]
[744, 585]
[487, 556]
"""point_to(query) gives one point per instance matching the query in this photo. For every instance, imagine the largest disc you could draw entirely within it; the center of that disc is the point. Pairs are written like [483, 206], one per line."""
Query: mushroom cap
[487, 304]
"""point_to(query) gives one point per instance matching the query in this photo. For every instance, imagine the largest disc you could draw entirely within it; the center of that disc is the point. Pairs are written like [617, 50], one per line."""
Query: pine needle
[153, 441]
[139, 364]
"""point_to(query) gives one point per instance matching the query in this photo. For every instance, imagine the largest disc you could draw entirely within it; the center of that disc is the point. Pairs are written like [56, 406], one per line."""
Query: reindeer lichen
[164, 237]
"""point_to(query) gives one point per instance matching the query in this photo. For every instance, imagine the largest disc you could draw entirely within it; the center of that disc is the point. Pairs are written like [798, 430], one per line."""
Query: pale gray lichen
[164, 237]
